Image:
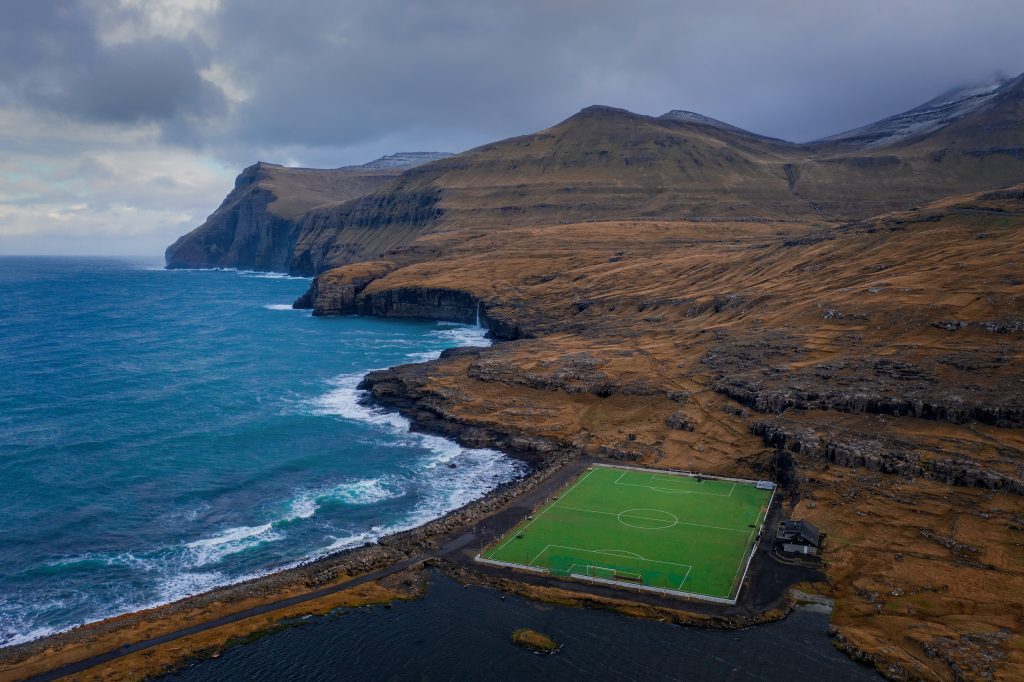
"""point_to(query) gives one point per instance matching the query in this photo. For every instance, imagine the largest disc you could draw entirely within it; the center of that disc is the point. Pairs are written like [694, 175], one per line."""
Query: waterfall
[478, 314]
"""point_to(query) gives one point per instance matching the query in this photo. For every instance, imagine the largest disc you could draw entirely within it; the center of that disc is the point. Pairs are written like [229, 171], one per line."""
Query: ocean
[165, 432]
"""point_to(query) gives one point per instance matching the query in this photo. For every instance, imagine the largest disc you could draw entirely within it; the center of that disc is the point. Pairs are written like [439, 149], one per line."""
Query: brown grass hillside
[885, 356]
[610, 164]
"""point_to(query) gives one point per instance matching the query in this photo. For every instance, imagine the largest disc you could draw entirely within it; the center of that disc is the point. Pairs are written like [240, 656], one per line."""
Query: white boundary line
[512, 534]
[654, 481]
[659, 590]
[683, 581]
[624, 553]
[675, 472]
[539, 554]
[611, 553]
[614, 571]
[681, 523]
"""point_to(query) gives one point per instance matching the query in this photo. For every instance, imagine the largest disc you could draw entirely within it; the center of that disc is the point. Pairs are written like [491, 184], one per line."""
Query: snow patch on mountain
[405, 160]
[932, 115]
[693, 117]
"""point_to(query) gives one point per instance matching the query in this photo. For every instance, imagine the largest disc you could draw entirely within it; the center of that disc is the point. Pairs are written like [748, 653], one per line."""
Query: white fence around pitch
[648, 588]
[606, 581]
[680, 472]
[757, 543]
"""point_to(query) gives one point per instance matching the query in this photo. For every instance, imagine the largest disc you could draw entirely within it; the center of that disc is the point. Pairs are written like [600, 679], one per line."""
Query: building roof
[805, 529]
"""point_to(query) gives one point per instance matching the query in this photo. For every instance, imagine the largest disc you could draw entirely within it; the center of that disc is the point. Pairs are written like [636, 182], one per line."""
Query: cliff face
[335, 291]
[241, 233]
[347, 291]
[450, 305]
[366, 228]
[261, 220]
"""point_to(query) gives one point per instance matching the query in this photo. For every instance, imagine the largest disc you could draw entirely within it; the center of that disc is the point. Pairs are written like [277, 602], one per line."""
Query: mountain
[952, 145]
[258, 223]
[600, 164]
[932, 115]
[605, 164]
[404, 160]
[611, 164]
[693, 117]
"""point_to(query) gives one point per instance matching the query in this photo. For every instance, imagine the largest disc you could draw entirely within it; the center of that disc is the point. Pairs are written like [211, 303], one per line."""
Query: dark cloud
[456, 72]
[155, 80]
[344, 74]
[52, 59]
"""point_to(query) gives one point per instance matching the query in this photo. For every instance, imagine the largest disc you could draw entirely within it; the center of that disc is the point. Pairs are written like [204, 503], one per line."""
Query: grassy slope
[298, 190]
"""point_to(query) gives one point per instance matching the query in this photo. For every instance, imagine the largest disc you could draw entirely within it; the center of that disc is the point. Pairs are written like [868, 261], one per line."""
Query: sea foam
[449, 476]
[345, 400]
[231, 541]
[215, 534]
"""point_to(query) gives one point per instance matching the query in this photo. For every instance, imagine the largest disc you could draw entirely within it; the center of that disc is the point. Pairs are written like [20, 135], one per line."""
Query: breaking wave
[223, 442]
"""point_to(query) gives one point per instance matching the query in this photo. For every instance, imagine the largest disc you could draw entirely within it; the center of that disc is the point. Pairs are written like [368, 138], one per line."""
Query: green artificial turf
[643, 527]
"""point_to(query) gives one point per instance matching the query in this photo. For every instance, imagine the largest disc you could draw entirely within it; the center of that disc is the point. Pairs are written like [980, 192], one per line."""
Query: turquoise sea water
[163, 432]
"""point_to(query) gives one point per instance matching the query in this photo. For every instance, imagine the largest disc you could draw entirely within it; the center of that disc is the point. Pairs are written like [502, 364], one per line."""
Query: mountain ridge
[936, 113]
[607, 163]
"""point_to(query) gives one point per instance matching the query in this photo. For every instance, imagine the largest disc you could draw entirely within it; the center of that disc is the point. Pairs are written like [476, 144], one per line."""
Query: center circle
[648, 519]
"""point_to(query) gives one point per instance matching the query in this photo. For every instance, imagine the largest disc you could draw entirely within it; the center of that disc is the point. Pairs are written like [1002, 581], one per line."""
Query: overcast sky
[124, 122]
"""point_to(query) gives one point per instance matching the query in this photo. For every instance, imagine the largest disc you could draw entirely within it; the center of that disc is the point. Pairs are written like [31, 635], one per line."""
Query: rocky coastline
[550, 463]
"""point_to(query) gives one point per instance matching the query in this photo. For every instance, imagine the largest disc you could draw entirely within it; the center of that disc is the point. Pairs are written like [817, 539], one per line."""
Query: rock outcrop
[952, 408]
[865, 452]
[335, 291]
[421, 302]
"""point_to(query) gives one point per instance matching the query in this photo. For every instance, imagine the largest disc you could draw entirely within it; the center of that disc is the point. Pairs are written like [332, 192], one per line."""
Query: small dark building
[798, 537]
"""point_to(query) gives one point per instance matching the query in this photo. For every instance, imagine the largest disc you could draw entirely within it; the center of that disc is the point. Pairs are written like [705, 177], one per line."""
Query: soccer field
[641, 527]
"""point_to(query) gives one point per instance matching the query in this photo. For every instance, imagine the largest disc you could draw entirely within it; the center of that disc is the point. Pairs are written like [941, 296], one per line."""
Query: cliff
[259, 223]
[334, 292]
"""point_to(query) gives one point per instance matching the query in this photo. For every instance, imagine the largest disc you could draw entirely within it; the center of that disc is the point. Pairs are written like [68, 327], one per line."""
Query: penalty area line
[513, 533]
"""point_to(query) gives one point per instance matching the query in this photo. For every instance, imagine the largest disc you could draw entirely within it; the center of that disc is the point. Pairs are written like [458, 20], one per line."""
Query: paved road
[87, 663]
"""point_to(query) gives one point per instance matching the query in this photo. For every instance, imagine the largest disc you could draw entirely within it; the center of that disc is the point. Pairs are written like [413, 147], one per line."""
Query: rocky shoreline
[317, 573]
[399, 389]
